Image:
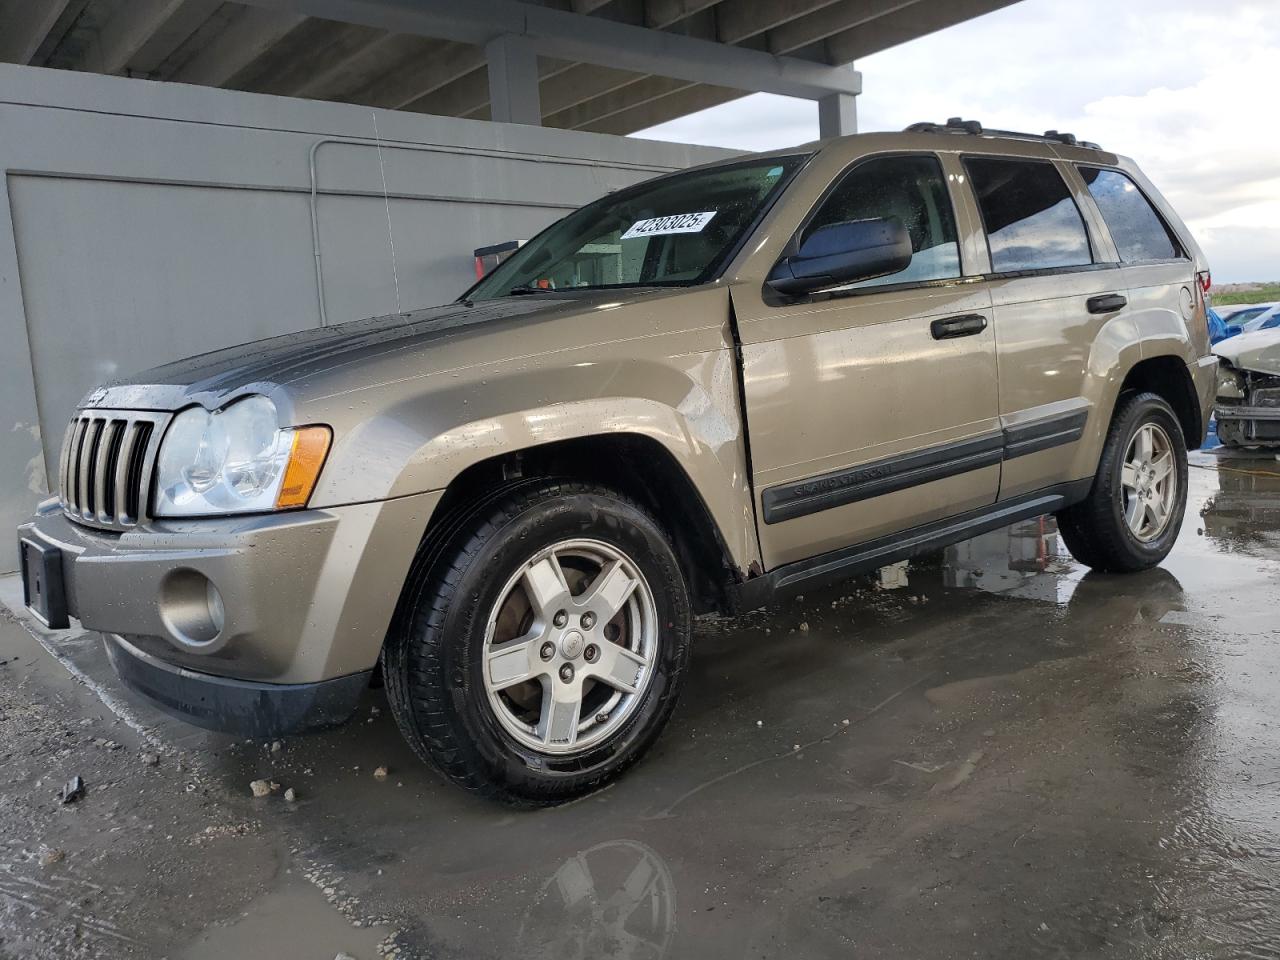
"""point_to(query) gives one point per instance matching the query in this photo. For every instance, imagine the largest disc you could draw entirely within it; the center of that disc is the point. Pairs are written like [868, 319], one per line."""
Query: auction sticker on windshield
[675, 223]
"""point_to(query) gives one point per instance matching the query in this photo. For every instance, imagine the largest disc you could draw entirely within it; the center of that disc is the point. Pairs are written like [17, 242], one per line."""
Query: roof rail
[974, 128]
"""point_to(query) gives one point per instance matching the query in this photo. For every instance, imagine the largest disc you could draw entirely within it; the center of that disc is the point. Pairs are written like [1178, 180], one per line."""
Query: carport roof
[612, 66]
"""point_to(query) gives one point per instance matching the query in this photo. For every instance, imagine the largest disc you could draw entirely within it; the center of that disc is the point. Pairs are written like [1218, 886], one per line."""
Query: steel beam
[125, 33]
[690, 99]
[438, 64]
[739, 19]
[249, 35]
[355, 72]
[26, 24]
[570, 36]
[637, 94]
[306, 57]
[663, 13]
[468, 96]
[907, 24]
[170, 35]
[831, 19]
[564, 84]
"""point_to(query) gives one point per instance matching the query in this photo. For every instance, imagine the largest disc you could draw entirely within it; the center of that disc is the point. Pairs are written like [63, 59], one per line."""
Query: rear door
[866, 416]
[1158, 271]
[1054, 285]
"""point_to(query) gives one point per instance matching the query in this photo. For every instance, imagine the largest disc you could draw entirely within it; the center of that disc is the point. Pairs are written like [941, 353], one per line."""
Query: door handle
[1107, 303]
[964, 326]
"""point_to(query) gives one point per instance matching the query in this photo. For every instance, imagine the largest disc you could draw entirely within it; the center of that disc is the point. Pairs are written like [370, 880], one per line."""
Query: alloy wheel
[570, 646]
[1149, 482]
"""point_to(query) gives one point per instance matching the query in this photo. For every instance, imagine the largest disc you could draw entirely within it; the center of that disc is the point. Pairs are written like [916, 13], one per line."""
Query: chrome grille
[105, 470]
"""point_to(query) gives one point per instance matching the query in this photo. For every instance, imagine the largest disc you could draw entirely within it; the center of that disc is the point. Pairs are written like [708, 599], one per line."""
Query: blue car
[1219, 329]
[1268, 320]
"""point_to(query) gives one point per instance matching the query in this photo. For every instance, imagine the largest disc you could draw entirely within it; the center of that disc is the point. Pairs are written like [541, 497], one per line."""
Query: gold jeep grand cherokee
[691, 396]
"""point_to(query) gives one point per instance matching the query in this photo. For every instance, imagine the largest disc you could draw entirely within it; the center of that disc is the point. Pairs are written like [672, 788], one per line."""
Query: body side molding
[839, 487]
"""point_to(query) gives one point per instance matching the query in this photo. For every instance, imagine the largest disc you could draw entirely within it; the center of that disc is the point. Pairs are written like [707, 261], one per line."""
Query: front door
[873, 407]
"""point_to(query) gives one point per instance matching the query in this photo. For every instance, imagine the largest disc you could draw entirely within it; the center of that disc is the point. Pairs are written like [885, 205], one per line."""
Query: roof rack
[974, 128]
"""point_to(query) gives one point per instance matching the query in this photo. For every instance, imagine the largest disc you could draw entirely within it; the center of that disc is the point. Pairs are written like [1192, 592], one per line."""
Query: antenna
[386, 199]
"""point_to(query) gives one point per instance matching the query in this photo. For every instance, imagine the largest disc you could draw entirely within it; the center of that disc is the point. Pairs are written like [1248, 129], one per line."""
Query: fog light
[217, 613]
[191, 607]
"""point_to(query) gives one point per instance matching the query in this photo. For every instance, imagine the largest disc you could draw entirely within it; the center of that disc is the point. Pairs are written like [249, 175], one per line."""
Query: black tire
[1095, 530]
[435, 684]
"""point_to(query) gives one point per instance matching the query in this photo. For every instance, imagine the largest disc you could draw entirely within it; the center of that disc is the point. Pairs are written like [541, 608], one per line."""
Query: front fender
[687, 402]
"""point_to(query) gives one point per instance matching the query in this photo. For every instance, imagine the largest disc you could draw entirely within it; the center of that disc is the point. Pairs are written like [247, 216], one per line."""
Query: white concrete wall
[143, 222]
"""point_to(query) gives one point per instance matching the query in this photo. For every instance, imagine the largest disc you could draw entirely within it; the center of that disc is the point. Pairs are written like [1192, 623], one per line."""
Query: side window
[1136, 228]
[1031, 220]
[912, 189]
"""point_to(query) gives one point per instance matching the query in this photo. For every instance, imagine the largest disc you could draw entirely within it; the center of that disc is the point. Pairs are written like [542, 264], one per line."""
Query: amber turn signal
[310, 446]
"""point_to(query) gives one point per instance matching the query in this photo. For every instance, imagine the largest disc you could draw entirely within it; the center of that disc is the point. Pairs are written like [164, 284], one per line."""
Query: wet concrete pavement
[1005, 757]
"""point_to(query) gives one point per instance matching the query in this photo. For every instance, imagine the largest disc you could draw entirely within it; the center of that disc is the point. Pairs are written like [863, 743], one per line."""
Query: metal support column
[513, 81]
[837, 115]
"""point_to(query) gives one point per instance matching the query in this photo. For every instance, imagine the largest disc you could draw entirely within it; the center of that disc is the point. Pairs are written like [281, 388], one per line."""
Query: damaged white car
[1248, 403]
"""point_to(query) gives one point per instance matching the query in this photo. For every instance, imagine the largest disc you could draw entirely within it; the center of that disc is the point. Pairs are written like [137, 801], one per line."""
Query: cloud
[1185, 88]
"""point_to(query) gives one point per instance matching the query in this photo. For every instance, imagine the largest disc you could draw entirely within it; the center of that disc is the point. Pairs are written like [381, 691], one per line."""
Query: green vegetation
[1265, 293]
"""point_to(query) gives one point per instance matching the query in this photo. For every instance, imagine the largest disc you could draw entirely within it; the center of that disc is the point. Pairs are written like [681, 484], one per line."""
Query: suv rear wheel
[541, 653]
[1134, 511]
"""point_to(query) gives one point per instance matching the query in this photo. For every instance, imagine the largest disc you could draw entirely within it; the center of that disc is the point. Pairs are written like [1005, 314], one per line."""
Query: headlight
[1230, 383]
[236, 460]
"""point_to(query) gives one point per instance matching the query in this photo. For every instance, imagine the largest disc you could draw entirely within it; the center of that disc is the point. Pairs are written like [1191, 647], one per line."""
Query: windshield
[1262, 321]
[674, 231]
[1244, 316]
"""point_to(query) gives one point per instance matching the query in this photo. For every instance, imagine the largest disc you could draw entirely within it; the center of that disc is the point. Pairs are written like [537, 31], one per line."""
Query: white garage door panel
[432, 265]
[138, 274]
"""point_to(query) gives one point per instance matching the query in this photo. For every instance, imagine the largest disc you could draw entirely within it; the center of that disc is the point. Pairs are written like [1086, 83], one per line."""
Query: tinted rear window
[1032, 222]
[1136, 228]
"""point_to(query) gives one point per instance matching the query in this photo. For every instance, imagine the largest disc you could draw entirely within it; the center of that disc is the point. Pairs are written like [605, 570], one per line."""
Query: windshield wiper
[527, 289]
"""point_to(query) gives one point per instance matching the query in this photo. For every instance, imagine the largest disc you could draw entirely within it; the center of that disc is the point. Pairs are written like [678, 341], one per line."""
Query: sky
[1188, 89]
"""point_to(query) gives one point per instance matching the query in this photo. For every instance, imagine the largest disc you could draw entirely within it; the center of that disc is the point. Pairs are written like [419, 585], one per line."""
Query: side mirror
[1233, 330]
[843, 253]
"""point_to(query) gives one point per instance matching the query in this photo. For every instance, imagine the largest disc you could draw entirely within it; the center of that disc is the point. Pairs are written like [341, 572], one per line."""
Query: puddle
[292, 922]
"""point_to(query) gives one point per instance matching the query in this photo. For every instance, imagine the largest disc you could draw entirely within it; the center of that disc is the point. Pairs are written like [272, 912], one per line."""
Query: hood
[1258, 351]
[353, 350]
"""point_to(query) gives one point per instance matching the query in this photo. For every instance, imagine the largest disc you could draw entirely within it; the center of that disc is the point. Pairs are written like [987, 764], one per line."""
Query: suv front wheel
[1134, 510]
[540, 654]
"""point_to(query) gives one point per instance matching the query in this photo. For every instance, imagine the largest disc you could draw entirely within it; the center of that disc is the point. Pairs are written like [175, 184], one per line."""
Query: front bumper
[1223, 412]
[1249, 425]
[306, 597]
[241, 707]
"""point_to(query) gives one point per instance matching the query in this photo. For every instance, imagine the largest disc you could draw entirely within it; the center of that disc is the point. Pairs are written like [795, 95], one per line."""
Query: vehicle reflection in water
[1029, 561]
[1246, 507]
[1014, 559]
[615, 899]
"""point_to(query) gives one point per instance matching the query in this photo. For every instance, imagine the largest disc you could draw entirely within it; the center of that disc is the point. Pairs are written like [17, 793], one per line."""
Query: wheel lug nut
[588, 620]
[591, 653]
[560, 619]
[566, 673]
[548, 650]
